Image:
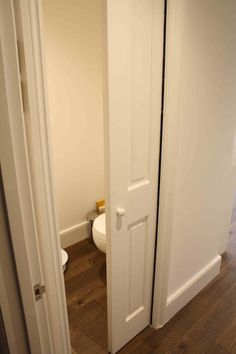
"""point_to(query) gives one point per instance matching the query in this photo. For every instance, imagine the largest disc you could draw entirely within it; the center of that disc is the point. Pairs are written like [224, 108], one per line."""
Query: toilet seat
[99, 232]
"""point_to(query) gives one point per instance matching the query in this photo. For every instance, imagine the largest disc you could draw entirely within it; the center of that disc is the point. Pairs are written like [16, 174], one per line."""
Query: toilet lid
[99, 226]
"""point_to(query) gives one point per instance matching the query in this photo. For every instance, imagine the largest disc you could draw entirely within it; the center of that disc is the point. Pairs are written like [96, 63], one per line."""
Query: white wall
[74, 62]
[201, 98]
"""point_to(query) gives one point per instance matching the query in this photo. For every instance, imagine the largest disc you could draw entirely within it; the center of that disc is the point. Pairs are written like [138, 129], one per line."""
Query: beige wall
[74, 60]
[201, 91]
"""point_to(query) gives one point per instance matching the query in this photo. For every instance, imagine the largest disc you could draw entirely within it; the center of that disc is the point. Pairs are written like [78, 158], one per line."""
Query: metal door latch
[39, 290]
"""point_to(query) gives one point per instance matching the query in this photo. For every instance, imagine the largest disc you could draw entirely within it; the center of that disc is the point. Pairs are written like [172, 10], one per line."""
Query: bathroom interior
[74, 50]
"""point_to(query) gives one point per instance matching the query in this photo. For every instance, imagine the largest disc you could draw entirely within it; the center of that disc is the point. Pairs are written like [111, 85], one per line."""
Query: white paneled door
[135, 51]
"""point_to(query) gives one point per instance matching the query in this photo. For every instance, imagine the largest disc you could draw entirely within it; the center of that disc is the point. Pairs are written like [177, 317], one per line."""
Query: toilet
[64, 259]
[99, 232]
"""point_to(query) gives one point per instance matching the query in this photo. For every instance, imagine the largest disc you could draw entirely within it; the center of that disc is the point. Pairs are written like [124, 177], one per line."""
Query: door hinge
[39, 290]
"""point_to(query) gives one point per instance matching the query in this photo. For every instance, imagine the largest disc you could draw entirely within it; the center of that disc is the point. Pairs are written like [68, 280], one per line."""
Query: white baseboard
[190, 289]
[74, 234]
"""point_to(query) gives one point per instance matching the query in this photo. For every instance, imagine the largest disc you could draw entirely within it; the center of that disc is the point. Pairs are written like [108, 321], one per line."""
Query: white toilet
[64, 259]
[99, 232]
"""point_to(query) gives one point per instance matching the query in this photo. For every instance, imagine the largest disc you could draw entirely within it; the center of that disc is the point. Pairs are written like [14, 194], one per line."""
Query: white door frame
[35, 241]
[14, 165]
[169, 151]
[37, 178]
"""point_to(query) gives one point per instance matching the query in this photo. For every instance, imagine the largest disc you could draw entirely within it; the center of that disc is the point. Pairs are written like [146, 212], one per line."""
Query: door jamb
[170, 150]
[17, 185]
[28, 171]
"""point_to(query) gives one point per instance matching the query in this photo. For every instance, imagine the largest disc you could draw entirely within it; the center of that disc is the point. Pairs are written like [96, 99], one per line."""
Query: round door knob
[120, 212]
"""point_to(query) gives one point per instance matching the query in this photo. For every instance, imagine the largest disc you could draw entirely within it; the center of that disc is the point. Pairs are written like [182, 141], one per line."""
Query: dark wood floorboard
[207, 325]
[85, 282]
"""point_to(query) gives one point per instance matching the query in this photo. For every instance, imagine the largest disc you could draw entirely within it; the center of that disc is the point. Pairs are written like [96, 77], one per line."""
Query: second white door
[135, 53]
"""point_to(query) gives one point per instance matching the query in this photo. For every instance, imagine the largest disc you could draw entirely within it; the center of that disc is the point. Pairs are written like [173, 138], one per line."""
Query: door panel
[136, 264]
[135, 38]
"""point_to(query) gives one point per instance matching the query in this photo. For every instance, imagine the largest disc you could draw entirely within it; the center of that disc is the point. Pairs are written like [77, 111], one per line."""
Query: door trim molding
[36, 125]
[170, 149]
[17, 185]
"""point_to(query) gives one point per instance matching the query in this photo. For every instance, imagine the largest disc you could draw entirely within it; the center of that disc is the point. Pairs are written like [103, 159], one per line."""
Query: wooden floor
[206, 325]
[85, 281]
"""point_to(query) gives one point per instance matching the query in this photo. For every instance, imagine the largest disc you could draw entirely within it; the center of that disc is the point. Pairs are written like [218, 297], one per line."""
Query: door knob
[120, 211]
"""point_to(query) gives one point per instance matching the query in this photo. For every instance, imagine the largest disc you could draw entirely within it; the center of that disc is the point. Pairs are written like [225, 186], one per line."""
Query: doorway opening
[74, 53]
[134, 42]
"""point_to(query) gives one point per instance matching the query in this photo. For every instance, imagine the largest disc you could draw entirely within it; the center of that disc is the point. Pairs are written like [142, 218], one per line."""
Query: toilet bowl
[99, 232]
[64, 259]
